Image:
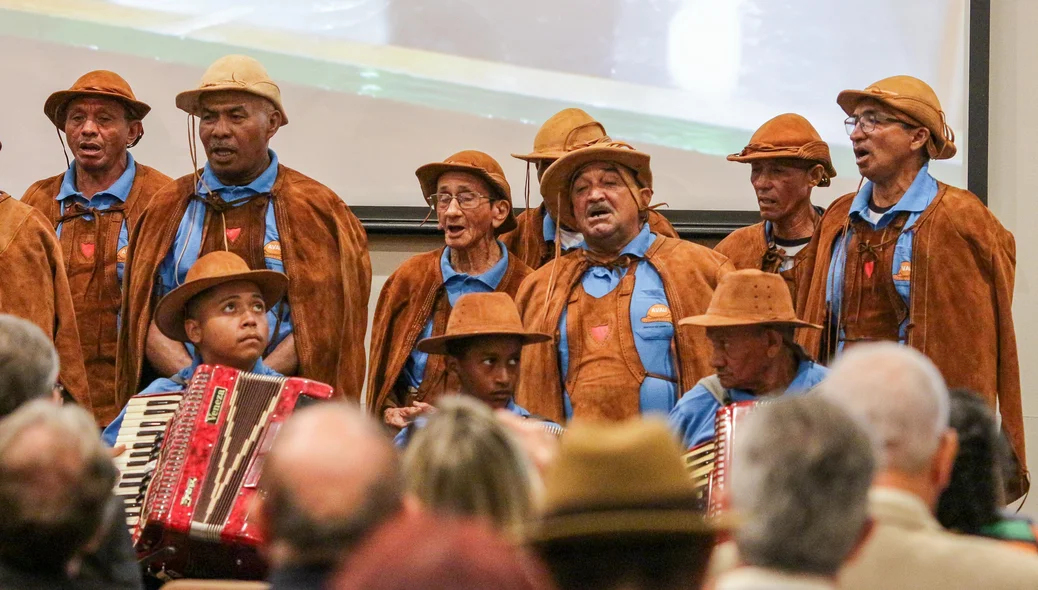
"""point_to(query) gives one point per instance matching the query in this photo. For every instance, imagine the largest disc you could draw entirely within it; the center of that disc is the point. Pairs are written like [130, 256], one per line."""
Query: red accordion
[194, 519]
[708, 462]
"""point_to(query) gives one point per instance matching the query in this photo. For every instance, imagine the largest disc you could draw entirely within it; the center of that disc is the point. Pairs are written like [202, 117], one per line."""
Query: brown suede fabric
[960, 311]
[527, 240]
[325, 251]
[35, 287]
[746, 248]
[690, 274]
[98, 335]
[404, 305]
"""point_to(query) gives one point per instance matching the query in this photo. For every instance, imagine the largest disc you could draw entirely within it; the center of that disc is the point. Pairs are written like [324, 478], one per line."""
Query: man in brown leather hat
[473, 205]
[611, 305]
[787, 159]
[537, 232]
[92, 206]
[913, 260]
[35, 288]
[273, 217]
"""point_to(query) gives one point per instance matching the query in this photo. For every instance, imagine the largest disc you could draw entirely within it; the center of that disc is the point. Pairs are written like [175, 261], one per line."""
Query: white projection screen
[376, 88]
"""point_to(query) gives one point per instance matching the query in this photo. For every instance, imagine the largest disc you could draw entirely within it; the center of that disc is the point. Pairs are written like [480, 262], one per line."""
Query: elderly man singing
[473, 205]
[610, 304]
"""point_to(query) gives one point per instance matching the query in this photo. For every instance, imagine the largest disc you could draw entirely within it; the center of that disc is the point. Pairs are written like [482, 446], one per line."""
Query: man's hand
[166, 356]
[117, 450]
[400, 417]
[283, 358]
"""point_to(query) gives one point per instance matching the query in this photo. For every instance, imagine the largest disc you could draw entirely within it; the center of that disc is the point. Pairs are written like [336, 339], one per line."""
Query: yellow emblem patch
[272, 250]
[657, 313]
[120, 256]
[905, 272]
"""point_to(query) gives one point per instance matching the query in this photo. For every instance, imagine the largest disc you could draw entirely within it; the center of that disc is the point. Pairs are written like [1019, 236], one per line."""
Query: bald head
[901, 396]
[331, 476]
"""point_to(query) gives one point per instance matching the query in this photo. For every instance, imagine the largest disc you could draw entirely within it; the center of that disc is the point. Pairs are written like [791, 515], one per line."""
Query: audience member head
[330, 479]
[56, 480]
[903, 400]
[464, 462]
[434, 553]
[620, 511]
[973, 497]
[800, 484]
[28, 364]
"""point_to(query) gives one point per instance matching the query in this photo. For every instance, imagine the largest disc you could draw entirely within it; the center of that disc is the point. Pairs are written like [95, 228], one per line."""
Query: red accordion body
[708, 463]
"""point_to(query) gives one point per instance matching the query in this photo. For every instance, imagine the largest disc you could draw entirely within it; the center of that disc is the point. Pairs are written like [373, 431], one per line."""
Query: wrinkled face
[881, 153]
[488, 368]
[740, 355]
[228, 324]
[98, 132]
[235, 128]
[468, 228]
[605, 209]
[783, 186]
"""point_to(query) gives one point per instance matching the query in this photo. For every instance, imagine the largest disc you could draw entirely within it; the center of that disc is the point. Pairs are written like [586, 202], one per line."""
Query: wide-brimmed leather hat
[211, 270]
[556, 181]
[788, 136]
[481, 314]
[619, 479]
[472, 162]
[233, 72]
[98, 83]
[746, 298]
[563, 132]
[915, 99]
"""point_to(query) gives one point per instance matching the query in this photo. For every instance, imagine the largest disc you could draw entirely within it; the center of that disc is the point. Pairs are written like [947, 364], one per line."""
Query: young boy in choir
[220, 309]
[483, 343]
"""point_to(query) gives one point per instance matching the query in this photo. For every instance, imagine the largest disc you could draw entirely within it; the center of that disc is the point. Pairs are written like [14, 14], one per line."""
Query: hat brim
[556, 179]
[786, 154]
[534, 157]
[55, 105]
[849, 99]
[172, 309]
[190, 101]
[429, 174]
[685, 523]
[718, 321]
[439, 344]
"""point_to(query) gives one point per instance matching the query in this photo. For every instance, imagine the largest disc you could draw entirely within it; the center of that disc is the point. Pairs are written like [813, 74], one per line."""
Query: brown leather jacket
[961, 303]
[325, 250]
[690, 274]
[746, 248]
[34, 287]
[403, 308]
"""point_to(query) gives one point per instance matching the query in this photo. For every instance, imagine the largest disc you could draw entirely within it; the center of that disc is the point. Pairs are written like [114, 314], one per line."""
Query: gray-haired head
[901, 396]
[28, 363]
[801, 478]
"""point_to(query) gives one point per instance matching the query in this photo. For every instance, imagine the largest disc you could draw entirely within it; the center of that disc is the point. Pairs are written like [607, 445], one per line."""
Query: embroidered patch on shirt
[657, 313]
[87, 249]
[272, 250]
[233, 233]
[599, 333]
[905, 272]
[120, 256]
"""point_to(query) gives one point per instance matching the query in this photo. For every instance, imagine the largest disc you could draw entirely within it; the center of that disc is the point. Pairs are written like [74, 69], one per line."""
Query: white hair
[901, 396]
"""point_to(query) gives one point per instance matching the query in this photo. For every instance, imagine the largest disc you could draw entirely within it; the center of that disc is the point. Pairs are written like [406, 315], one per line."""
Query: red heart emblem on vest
[233, 233]
[599, 333]
[87, 249]
[870, 265]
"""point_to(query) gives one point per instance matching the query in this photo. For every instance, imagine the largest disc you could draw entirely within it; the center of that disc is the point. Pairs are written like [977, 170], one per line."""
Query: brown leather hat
[746, 298]
[233, 72]
[788, 136]
[914, 98]
[211, 270]
[482, 314]
[563, 132]
[471, 162]
[98, 83]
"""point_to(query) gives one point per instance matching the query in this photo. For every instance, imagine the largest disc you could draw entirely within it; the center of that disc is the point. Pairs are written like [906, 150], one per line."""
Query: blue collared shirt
[168, 385]
[916, 199]
[403, 437]
[548, 228]
[693, 417]
[652, 338]
[111, 196]
[456, 284]
[188, 242]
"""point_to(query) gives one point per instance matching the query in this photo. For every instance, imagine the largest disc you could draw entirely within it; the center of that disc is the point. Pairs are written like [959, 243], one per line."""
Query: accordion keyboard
[142, 430]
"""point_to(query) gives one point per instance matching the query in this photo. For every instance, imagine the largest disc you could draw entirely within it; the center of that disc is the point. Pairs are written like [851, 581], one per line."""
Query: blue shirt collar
[120, 189]
[264, 183]
[196, 359]
[917, 198]
[491, 278]
[548, 227]
[637, 246]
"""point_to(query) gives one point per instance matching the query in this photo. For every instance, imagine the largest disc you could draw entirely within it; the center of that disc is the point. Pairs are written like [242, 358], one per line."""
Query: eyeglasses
[466, 200]
[868, 122]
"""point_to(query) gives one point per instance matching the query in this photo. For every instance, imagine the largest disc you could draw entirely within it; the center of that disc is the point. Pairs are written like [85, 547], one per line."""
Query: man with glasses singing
[473, 205]
[913, 260]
